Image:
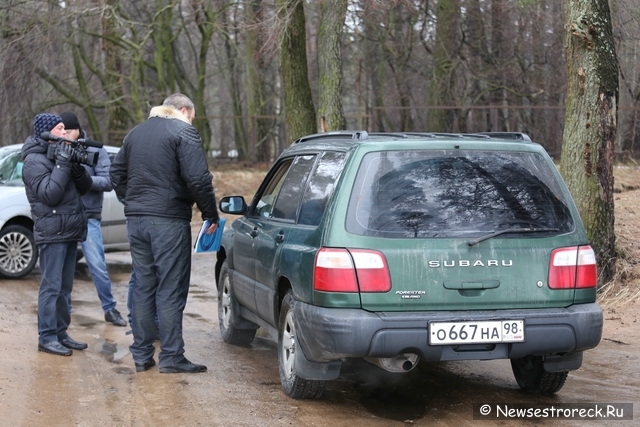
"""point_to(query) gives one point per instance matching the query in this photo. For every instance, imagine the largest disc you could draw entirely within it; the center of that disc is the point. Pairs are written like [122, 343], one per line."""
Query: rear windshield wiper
[510, 231]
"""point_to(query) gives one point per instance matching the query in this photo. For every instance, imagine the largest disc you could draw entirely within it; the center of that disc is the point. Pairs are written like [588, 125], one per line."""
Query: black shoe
[114, 317]
[186, 367]
[71, 343]
[54, 347]
[141, 367]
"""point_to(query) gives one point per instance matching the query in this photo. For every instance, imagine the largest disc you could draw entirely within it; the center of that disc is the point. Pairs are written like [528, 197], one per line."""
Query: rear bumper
[327, 334]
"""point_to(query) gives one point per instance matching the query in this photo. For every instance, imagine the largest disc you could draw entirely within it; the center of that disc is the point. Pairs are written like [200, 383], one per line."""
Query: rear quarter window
[454, 193]
[320, 188]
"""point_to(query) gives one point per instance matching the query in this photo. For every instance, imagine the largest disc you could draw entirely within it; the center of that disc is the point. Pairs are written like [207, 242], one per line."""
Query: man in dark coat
[93, 247]
[54, 186]
[159, 173]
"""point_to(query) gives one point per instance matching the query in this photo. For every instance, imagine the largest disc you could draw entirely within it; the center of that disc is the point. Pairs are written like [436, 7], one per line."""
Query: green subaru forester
[401, 247]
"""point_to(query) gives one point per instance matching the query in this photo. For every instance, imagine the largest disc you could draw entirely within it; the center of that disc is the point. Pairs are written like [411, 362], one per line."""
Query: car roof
[347, 140]
[18, 147]
[361, 135]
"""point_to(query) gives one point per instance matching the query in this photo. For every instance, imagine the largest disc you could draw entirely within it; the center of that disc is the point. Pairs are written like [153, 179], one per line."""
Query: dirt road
[99, 386]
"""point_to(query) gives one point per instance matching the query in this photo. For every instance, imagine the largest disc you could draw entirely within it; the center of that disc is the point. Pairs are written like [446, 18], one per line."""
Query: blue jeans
[161, 256]
[57, 267]
[93, 250]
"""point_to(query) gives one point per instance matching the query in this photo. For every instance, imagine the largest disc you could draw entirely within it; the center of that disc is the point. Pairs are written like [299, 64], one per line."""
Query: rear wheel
[532, 378]
[227, 309]
[294, 386]
[18, 252]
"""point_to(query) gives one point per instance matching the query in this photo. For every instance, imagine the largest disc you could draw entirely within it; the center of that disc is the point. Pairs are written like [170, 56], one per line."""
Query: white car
[18, 252]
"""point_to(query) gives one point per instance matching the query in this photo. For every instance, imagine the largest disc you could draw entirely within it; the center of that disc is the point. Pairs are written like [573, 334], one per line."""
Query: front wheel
[18, 252]
[294, 386]
[532, 378]
[227, 309]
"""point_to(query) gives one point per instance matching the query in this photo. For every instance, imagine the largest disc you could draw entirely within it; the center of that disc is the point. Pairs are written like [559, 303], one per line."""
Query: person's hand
[76, 171]
[212, 228]
[65, 151]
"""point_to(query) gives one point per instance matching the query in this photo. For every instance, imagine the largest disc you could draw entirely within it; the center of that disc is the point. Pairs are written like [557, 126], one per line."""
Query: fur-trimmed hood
[167, 112]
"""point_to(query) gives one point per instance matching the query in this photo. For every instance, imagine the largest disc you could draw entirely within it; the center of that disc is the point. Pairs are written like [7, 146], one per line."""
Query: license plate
[495, 331]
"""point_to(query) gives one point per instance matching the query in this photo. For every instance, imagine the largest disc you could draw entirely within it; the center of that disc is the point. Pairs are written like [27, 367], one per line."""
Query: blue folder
[209, 242]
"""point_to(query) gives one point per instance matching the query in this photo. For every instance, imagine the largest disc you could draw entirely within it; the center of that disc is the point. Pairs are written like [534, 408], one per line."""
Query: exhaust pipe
[401, 363]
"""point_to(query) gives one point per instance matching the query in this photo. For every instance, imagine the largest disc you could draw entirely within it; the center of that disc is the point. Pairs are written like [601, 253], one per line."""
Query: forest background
[404, 65]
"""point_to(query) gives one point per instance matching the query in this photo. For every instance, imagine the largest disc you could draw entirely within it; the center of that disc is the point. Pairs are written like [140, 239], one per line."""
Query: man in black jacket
[160, 171]
[92, 247]
[54, 185]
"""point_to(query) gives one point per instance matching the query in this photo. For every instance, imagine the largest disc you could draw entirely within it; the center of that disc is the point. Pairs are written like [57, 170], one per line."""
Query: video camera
[79, 152]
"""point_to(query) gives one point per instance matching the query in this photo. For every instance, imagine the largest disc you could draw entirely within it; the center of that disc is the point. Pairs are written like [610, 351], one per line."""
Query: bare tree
[299, 111]
[445, 58]
[257, 74]
[590, 124]
[330, 109]
[469, 65]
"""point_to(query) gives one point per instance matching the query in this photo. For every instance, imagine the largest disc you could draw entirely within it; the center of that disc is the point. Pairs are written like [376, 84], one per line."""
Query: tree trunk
[234, 73]
[258, 125]
[118, 119]
[299, 112]
[444, 57]
[330, 109]
[205, 18]
[590, 124]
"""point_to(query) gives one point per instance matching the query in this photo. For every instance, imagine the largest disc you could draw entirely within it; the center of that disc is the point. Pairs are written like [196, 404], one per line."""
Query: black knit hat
[70, 121]
[44, 123]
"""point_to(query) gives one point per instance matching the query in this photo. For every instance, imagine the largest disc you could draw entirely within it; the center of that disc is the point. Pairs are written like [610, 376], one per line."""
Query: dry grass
[625, 286]
[234, 180]
[622, 290]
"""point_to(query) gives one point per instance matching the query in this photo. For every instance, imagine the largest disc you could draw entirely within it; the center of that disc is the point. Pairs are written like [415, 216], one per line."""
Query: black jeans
[161, 255]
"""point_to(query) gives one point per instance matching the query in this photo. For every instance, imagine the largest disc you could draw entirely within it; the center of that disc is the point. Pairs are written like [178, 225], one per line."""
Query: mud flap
[569, 362]
[322, 371]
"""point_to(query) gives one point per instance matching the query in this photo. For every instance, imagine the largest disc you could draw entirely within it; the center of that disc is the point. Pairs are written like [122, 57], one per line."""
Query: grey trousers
[161, 255]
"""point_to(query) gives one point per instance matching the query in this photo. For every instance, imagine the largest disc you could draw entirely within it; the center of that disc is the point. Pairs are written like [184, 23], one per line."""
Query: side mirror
[233, 205]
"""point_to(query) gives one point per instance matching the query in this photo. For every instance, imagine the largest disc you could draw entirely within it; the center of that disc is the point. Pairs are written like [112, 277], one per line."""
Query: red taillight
[334, 271]
[342, 270]
[573, 267]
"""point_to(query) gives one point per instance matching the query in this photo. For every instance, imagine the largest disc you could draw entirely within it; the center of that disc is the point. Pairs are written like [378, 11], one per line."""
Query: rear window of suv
[454, 193]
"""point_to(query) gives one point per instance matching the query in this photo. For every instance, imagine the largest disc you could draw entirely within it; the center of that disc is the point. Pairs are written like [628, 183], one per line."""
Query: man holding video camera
[92, 247]
[55, 182]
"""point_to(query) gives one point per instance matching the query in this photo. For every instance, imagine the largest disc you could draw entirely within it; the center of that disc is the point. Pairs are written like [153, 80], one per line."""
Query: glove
[76, 171]
[65, 152]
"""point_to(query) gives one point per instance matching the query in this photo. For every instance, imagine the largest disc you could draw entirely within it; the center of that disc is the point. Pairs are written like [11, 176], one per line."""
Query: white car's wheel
[18, 252]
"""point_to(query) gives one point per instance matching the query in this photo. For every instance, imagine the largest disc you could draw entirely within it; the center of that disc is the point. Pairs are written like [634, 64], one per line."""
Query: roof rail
[521, 136]
[395, 134]
[454, 135]
[424, 134]
[340, 134]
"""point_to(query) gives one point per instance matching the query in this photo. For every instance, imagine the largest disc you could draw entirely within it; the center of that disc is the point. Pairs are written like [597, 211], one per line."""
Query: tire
[294, 386]
[228, 311]
[532, 378]
[18, 252]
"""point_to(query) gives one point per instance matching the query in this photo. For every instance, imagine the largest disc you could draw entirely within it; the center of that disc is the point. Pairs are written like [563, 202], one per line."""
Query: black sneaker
[114, 317]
